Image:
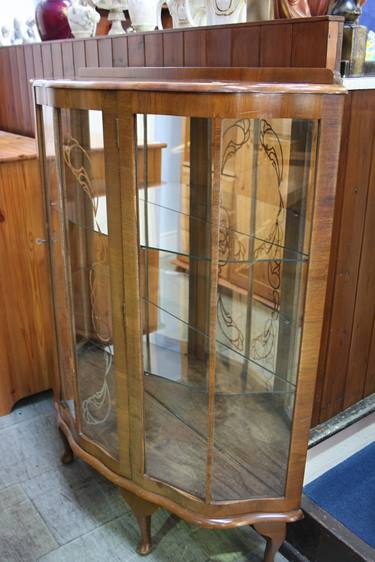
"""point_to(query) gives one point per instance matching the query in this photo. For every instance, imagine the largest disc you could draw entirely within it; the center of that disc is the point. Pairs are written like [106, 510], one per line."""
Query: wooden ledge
[16, 147]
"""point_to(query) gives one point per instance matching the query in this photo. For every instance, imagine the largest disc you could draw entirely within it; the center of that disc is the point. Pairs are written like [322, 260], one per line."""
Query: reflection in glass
[87, 231]
[271, 196]
[239, 446]
[61, 297]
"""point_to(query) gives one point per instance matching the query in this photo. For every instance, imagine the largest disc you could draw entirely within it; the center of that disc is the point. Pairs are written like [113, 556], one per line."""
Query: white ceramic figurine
[145, 14]
[83, 18]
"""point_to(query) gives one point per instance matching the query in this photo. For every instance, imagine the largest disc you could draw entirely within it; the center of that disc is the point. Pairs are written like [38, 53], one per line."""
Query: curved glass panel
[84, 192]
[58, 263]
[271, 164]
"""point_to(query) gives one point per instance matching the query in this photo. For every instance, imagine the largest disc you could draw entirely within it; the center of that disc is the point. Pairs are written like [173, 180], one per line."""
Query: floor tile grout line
[45, 523]
[93, 479]
[82, 535]
[28, 420]
[74, 478]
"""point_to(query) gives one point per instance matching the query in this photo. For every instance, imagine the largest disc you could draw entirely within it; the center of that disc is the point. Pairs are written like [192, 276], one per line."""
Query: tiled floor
[55, 513]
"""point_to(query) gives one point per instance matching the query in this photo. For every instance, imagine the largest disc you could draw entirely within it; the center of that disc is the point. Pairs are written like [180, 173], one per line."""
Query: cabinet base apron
[272, 526]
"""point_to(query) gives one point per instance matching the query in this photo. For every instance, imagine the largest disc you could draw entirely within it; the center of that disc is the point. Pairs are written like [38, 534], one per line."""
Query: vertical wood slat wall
[346, 372]
[295, 43]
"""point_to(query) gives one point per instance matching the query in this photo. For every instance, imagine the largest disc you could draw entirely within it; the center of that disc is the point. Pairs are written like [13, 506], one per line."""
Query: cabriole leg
[142, 510]
[275, 534]
[67, 456]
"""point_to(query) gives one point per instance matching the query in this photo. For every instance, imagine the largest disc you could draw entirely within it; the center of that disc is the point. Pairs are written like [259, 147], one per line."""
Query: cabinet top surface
[16, 147]
[193, 86]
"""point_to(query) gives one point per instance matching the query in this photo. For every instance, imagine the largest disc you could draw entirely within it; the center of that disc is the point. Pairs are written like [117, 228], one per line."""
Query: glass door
[84, 240]
[224, 241]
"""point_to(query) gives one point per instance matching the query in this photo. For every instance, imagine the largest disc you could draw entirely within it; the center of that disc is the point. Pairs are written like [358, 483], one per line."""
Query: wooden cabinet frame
[120, 102]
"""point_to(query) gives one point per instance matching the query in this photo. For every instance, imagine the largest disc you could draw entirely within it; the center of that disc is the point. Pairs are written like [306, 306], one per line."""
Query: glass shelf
[166, 354]
[172, 312]
[169, 227]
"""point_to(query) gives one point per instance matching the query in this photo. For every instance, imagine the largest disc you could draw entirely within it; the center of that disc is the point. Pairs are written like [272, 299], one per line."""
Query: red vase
[51, 19]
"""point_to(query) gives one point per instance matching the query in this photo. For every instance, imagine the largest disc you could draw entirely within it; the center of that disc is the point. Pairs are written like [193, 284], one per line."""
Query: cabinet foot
[142, 510]
[68, 455]
[274, 533]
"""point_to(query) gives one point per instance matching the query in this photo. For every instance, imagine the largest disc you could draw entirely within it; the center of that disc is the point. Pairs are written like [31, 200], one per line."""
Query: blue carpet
[347, 492]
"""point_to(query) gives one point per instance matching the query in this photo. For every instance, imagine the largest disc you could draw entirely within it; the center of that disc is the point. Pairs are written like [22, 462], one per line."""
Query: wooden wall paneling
[2, 88]
[15, 103]
[9, 100]
[351, 233]
[5, 89]
[105, 52]
[67, 59]
[57, 63]
[246, 46]
[309, 48]
[280, 36]
[219, 47]
[120, 51]
[154, 49]
[173, 48]
[360, 345]
[195, 47]
[47, 60]
[91, 52]
[23, 89]
[30, 74]
[19, 107]
[136, 50]
[38, 62]
[79, 56]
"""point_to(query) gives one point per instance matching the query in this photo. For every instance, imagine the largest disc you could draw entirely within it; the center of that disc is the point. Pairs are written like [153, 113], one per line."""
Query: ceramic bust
[82, 18]
[216, 12]
[178, 12]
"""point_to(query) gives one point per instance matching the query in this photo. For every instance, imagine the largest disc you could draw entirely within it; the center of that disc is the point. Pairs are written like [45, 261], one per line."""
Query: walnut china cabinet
[189, 304]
